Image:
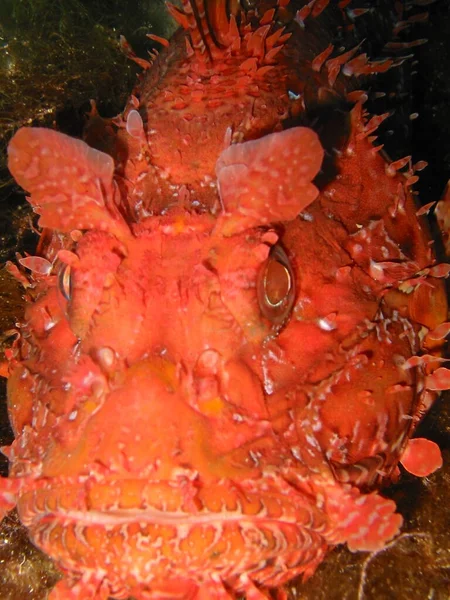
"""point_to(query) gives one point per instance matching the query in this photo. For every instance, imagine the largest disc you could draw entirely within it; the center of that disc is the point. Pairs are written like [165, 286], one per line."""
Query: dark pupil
[277, 282]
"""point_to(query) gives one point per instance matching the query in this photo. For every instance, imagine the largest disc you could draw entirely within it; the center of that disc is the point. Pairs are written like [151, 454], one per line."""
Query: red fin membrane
[70, 183]
[268, 180]
[421, 457]
[9, 489]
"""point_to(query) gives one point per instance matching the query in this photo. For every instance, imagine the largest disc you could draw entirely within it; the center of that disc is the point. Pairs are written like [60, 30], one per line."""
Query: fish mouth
[214, 534]
[125, 502]
[180, 544]
[157, 517]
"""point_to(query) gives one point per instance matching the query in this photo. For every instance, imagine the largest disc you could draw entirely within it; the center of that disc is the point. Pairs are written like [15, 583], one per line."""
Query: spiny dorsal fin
[209, 23]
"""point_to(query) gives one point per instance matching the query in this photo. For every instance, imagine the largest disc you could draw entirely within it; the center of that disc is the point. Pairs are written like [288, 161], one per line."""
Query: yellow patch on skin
[179, 225]
[164, 369]
[90, 406]
[211, 407]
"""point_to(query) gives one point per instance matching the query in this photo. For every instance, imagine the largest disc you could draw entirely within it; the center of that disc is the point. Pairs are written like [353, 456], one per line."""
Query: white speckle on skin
[49, 325]
[326, 325]
[73, 415]
[317, 425]
[295, 451]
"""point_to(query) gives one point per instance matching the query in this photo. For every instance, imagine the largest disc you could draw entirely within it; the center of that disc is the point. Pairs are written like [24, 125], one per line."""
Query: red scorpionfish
[234, 324]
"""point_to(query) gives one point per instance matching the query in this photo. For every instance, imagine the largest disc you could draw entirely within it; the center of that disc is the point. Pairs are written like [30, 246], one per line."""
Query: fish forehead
[176, 279]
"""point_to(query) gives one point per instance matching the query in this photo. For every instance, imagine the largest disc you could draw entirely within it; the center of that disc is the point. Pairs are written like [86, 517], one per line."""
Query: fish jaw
[251, 526]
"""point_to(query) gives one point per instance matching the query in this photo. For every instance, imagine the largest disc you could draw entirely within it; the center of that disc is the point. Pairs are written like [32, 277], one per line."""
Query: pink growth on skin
[38, 156]
[364, 521]
[37, 264]
[269, 179]
[421, 457]
[440, 332]
[71, 184]
[439, 380]
[442, 270]
[135, 126]
[424, 359]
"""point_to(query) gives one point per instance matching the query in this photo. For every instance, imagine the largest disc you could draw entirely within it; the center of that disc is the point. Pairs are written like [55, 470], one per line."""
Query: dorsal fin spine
[178, 15]
[208, 24]
[220, 26]
[198, 26]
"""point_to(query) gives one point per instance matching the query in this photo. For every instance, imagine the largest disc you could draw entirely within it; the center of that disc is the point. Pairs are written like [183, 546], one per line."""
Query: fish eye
[276, 286]
[65, 282]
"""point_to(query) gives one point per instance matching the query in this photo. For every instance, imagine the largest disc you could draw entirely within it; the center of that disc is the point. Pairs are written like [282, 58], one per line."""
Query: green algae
[56, 55]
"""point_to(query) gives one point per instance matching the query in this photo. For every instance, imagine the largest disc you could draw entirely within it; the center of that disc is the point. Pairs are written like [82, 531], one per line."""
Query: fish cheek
[364, 408]
[238, 262]
[20, 398]
[86, 276]
[83, 305]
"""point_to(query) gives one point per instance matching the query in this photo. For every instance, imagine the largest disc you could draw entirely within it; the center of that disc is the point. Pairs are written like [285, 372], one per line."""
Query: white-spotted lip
[158, 517]
[288, 515]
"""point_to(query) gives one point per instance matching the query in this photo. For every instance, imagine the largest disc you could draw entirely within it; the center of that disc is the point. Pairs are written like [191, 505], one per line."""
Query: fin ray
[209, 24]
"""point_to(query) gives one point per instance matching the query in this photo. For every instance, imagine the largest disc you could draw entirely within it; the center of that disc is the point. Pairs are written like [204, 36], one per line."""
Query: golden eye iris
[277, 282]
[276, 288]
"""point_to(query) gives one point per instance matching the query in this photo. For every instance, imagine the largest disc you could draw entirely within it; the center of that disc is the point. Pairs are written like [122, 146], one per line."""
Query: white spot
[326, 325]
[295, 450]
[73, 415]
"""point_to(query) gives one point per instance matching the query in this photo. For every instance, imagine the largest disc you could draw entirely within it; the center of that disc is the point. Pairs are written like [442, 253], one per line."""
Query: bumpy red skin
[171, 441]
